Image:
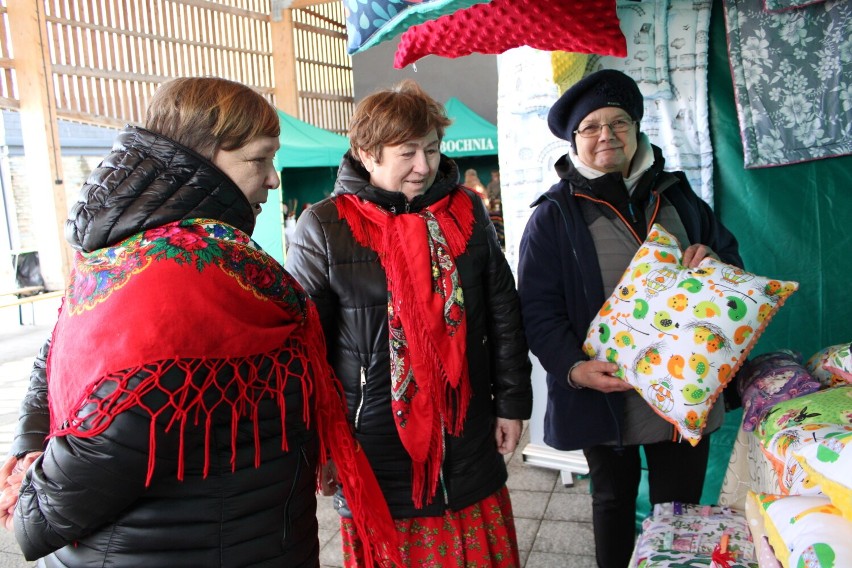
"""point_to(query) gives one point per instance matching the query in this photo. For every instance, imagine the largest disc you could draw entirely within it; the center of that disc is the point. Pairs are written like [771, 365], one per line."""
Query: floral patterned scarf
[426, 322]
[197, 296]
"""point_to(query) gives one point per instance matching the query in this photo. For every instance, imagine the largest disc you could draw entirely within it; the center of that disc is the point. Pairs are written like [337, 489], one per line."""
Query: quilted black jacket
[349, 286]
[84, 503]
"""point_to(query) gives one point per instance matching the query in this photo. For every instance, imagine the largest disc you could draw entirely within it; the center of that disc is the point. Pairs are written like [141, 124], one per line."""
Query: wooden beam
[28, 34]
[284, 63]
[298, 4]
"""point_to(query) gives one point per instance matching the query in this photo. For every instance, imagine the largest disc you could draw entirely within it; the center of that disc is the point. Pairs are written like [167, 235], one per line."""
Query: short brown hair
[206, 114]
[392, 116]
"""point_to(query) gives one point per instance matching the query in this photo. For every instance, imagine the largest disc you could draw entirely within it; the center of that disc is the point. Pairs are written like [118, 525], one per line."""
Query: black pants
[675, 473]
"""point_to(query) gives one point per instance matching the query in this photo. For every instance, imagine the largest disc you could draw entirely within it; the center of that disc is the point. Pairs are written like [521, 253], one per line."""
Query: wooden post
[41, 137]
[284, 63]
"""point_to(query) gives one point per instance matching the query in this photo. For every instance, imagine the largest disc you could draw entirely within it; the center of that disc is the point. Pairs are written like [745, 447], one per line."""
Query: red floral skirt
[479, 536]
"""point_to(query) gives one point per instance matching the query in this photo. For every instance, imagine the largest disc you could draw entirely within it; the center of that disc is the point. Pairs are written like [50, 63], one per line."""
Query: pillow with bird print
[806, 531]
[828, 463]
[679, 334]
[784, 448]
[832, 365]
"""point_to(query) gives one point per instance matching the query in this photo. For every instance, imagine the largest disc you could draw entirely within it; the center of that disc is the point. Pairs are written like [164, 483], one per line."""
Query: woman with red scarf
[423, 327]
[190, 401]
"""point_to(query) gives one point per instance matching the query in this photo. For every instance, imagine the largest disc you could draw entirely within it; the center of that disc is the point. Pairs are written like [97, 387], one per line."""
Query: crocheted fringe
[187, 403]
[189, 407]
[369, 509]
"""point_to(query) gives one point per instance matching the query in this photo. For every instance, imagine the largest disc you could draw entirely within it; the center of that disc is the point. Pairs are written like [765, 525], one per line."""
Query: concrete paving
[553, 522]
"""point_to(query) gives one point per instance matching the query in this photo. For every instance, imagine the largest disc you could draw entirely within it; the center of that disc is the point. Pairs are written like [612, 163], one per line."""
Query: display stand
[537, 452]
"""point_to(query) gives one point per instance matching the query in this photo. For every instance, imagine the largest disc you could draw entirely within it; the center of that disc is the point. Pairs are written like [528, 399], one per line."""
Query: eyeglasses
[592, 130]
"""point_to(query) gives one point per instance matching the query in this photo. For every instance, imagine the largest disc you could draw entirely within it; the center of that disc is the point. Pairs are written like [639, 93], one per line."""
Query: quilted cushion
[677, 535]
[785, 447]
[583, 26]
[828, 463]
[806, 531]
[679, 334]
[830, 406]
[762, 549]
[369, 22]
[693, 529]
[833, 365]
[769, 379]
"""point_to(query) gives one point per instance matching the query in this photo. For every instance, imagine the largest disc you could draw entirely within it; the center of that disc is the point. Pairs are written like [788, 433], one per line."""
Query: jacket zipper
[361, 399]
[620, 216]
[287, 524]
[568, 232]
[441, 471]
[654, 199]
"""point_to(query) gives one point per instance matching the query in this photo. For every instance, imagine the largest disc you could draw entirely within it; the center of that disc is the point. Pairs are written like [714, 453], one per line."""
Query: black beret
[604, 88]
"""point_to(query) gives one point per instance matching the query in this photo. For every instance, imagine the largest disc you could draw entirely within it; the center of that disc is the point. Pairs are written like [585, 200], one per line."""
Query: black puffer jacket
[349, 286]
[84, 503]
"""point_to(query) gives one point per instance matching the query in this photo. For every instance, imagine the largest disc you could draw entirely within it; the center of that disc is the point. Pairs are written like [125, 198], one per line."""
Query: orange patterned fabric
[481, 535]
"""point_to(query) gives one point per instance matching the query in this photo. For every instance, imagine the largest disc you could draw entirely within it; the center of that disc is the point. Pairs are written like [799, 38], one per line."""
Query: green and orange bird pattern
[679, 334]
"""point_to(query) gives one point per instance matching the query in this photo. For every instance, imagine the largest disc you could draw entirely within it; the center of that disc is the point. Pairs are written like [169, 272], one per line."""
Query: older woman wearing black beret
[582, 235]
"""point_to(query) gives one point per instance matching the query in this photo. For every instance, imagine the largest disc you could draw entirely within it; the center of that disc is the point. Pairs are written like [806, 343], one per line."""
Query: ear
[366, 158]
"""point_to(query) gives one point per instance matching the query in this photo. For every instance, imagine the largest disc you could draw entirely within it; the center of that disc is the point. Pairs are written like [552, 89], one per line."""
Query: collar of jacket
[354, 179]
[609, 187]
[148, 180]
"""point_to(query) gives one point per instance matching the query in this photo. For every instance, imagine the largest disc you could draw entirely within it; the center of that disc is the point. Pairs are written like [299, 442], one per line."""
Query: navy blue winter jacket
[561, 290]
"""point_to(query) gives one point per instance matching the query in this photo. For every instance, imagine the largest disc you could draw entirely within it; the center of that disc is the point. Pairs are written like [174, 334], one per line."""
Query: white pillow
[679, 334]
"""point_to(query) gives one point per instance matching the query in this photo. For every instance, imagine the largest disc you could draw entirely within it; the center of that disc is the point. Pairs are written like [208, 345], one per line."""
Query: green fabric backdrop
[792, 222]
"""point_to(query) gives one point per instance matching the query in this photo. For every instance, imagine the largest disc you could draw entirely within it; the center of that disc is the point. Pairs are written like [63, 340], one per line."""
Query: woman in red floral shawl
[423, 326]
[191, 404]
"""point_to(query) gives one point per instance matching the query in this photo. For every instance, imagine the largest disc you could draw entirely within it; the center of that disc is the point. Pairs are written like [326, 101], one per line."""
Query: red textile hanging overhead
[582, 26]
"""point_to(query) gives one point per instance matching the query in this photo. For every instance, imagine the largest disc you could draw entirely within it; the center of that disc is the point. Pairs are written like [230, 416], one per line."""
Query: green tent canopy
[307, 154]
[306, 146]
[469, 134]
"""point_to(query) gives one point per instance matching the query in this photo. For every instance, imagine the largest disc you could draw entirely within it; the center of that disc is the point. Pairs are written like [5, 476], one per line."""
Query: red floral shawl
[426, 322]
[197, 294]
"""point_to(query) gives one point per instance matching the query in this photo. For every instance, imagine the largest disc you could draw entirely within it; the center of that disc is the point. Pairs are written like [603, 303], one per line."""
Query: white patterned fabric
[644, 24]
[679, 334]
[748, 470]
[806, 531]
[681, 126]
[792, 75]
[528, 149]
[680, 123]
[832, 365]
[828, 463]
[676, 534]
[787, 446]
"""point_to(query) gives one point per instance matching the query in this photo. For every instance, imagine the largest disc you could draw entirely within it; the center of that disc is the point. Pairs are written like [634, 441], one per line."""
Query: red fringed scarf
[196, 295]
[426, 322]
